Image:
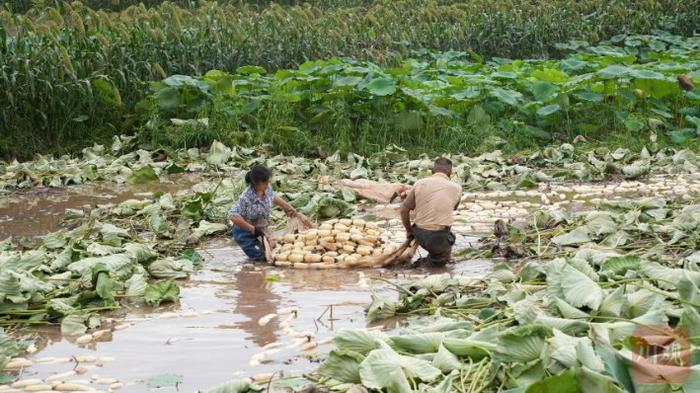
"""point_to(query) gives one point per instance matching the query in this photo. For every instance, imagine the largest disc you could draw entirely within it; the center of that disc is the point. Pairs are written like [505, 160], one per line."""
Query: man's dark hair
[443, 162]
[258, 174]
[443, 165]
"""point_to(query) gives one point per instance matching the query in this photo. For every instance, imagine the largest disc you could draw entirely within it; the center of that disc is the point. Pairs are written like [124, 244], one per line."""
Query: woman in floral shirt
[251, 213]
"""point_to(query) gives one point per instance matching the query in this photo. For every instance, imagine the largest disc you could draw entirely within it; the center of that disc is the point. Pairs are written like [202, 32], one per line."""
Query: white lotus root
[331, 244]
[266, 319]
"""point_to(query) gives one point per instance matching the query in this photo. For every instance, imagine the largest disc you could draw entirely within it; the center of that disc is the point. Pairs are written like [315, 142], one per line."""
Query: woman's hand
[288, 209]
[242, 223]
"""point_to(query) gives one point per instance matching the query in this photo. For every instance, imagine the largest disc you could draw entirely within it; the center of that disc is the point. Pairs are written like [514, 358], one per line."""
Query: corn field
[70, 74]
[119, 5]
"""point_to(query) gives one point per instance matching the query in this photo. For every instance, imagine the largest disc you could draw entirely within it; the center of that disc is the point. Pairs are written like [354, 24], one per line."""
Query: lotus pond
[576, 270]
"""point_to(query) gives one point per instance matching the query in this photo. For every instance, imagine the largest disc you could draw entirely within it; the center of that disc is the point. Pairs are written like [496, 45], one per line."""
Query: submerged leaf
[164, 291]
[170, 268]
[73, 325]
[143, 175]
[234, 386]
[164, 381]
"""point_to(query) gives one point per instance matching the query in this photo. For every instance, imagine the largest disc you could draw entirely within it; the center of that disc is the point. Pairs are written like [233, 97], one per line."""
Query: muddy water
[40, 210]
[213, 333]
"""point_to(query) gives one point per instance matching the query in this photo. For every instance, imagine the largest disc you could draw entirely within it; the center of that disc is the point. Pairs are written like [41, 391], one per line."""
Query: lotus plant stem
[465, 316]
[477, 384]
[539, 238]
[493, 317]
[23, 312]
[395, 285]
[462, 377]
[660, 292]
[14, 322]
[633, 280]
[502, 321]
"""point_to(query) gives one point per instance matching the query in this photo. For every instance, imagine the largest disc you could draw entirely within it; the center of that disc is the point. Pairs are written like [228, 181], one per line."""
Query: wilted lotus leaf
[384, 368]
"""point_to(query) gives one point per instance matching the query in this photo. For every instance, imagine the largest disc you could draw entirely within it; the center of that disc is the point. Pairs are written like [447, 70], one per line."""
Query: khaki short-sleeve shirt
[435, 199]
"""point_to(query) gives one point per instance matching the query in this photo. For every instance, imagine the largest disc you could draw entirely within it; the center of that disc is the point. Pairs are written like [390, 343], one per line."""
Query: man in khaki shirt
[433, 201]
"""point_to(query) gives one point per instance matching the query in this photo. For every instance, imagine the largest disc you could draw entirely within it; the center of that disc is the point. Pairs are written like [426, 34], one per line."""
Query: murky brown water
[40, 210]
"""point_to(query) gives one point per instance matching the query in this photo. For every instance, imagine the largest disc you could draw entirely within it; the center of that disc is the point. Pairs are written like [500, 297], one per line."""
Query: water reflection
[315, 280]
[255, 300]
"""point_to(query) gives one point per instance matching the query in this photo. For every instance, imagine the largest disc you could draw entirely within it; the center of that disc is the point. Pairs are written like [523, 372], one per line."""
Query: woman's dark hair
[257, 174]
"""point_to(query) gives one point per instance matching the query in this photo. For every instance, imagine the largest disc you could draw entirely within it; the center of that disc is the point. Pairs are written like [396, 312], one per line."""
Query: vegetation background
[72, 73]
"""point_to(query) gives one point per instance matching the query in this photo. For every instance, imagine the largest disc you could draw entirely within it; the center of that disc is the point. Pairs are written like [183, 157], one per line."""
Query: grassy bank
[72, 75]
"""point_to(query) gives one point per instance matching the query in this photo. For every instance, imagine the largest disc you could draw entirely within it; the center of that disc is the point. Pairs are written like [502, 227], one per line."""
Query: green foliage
[8, 350]
[444, 101]
[70, 75]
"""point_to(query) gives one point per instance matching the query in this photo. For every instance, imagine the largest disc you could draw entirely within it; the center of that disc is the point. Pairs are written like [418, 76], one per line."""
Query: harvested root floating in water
[105, 381]
[272, 345]
[262, 378]
[38, 388]
[25, 383]
[309, 346]
[71, 387]
[83, 369]
[101, 333]
[59, 377]
[288, 310]
[18, 363]
[86, 359]
[266, 319]
[52, 360]
[257, 359]
[84, 339]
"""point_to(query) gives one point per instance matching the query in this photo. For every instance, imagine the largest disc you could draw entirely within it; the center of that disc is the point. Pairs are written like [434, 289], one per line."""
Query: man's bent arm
[408, 205]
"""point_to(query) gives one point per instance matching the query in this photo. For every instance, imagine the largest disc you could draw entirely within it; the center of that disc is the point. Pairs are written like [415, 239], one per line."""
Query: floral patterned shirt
[251, 208]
